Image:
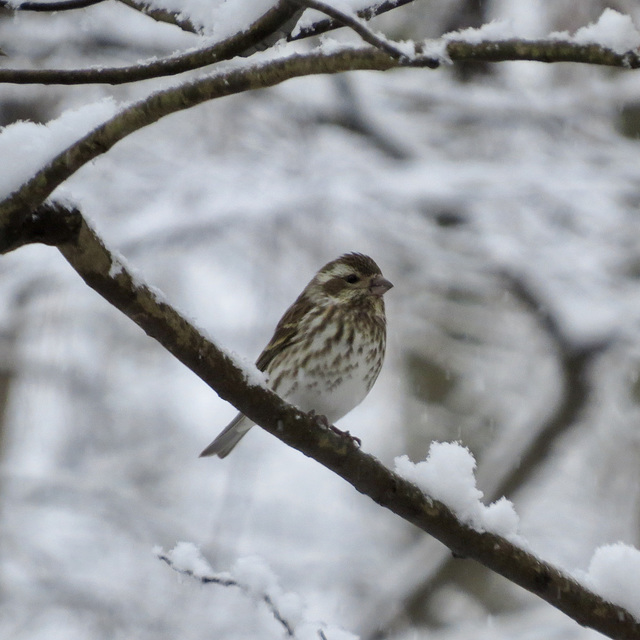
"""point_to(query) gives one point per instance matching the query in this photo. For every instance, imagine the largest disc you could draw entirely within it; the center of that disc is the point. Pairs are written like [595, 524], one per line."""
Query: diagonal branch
[108, 276]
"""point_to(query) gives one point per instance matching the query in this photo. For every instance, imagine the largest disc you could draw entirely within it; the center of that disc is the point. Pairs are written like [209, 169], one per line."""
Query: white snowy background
[229, 208]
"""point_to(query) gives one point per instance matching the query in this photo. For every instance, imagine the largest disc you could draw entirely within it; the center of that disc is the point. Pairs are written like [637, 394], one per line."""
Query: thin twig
[225, 581]
[358, 25]
[322, 26]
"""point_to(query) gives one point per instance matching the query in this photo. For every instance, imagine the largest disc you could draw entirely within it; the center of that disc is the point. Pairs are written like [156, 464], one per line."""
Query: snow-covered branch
[329, 24]
[491, 43]
[543, 50]
[250, 575]
[427, 55]
[358, 25]
[270, 73]
[235, 45]
[108, 275]
[162, 15]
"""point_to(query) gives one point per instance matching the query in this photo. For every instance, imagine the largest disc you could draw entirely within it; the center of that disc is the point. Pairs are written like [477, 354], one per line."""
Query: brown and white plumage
[328, 348]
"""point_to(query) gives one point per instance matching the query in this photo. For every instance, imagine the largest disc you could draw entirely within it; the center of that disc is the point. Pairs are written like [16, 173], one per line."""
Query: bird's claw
[345, 434]
[323, 422]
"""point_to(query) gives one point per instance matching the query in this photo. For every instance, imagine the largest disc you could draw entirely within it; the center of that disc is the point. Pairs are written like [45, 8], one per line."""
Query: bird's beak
[379, 286]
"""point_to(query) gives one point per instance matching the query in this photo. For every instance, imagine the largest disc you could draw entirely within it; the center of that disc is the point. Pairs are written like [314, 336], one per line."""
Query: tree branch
[107, 275]
[542, 50]
[548, 51]
[163, 103]
[358, 25]
[50, 223]
[322, 26]
[235, 45]
[226, 581]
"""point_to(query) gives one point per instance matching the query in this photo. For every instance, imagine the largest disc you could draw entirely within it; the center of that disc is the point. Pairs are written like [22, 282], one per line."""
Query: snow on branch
[235, 45]
[360, 27]
[322, 26]
[251, 575]
[612, 41]
[469, 530]
[163, 15]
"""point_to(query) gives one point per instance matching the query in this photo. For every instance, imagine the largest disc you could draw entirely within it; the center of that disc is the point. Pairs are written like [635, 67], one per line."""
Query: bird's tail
[228, 437]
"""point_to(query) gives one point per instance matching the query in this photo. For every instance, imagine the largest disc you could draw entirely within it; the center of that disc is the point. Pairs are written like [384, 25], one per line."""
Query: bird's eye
[352, 278]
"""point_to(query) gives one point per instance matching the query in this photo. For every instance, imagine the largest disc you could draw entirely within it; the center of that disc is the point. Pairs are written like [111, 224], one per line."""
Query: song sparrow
[327, 350]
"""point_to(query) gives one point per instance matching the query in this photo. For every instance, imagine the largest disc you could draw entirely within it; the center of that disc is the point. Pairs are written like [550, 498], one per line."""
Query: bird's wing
[288, 331]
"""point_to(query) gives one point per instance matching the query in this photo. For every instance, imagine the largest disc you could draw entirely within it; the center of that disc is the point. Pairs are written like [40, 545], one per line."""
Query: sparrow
[327, 350]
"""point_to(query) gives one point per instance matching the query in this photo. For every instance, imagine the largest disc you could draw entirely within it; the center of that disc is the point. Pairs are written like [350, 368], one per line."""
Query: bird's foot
[345, 434]
[322, 421]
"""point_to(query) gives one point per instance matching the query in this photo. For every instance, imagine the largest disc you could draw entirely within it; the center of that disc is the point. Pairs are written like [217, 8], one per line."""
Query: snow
[493, 31]
[232, 17]
[30, 146]
[614, 573]
[219, 18]
[612, 30]
[447, 475]
[186, 556]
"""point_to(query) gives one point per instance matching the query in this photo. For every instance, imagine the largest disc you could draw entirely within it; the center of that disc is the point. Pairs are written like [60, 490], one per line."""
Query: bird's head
[349, 279]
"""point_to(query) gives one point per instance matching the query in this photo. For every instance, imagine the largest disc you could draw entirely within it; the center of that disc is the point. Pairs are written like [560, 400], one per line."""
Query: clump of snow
[614, 574]
[491, 32]
[448, 476]
[185, 556]
[26, 147]
[613, 30]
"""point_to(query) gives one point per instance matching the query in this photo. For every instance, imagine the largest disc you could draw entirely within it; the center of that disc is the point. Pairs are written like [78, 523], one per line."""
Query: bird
[327, 349]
